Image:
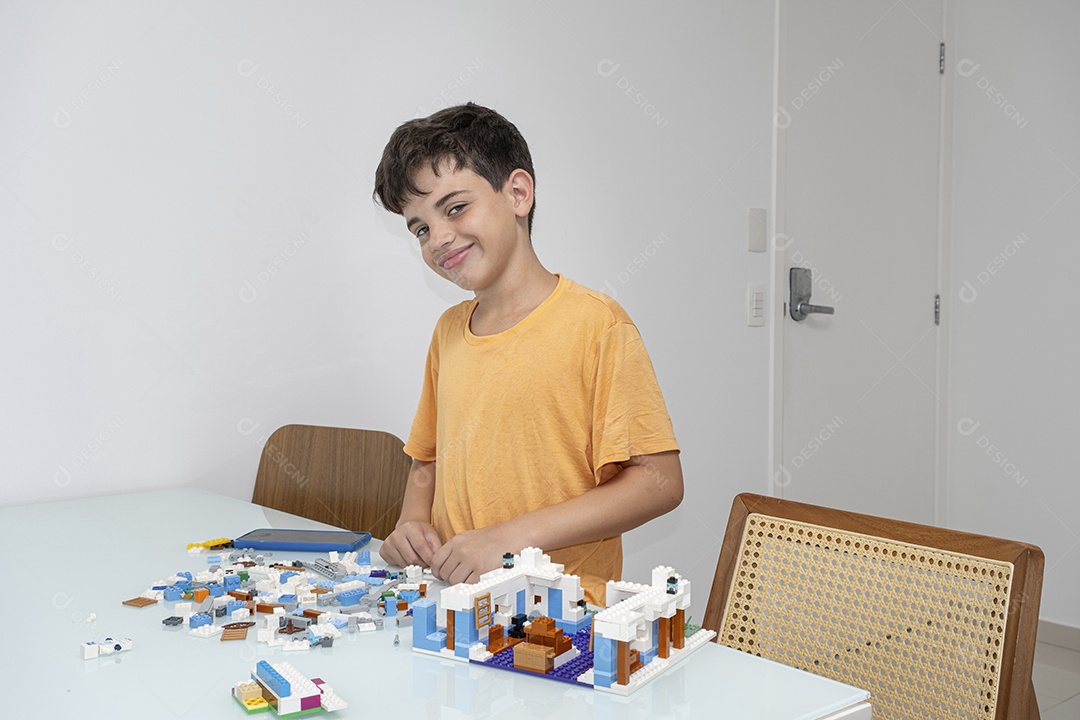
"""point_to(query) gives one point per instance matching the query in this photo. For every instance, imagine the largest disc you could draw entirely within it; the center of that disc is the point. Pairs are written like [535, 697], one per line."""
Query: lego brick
[140, 602]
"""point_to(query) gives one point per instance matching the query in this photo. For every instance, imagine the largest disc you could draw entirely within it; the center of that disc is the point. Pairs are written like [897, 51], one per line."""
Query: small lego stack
[279, 686]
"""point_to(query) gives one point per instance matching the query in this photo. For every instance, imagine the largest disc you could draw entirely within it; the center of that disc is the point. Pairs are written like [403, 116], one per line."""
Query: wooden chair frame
[349, 478]
[1015, 694]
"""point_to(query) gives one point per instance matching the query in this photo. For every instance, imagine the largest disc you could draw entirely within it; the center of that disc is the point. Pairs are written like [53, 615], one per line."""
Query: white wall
[1015, 252]
[191, 258]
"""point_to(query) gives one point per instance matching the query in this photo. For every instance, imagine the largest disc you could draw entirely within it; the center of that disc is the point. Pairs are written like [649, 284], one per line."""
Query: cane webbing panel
[921, 629]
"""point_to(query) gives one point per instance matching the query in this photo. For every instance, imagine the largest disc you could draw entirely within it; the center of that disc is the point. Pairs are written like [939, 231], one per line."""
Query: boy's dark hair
[468, 136]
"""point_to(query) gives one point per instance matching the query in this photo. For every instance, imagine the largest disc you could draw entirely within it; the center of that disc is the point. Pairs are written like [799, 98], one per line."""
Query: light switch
[755, 304]
[755, 227]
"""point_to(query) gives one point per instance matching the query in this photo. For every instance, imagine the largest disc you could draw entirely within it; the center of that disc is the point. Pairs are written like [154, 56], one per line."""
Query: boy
[540, 420]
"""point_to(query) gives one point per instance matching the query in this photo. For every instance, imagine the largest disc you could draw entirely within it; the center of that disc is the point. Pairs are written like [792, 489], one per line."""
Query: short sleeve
[422, 437]
[629, 414]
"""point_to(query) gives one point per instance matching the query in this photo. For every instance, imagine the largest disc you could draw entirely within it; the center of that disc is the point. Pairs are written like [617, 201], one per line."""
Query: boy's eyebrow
[438, 205]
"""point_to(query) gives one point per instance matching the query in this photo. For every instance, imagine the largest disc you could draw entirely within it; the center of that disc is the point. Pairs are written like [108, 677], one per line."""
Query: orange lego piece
[200, 594]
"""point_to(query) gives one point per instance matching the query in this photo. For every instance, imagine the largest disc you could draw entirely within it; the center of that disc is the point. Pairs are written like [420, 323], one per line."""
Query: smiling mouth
[454, 258]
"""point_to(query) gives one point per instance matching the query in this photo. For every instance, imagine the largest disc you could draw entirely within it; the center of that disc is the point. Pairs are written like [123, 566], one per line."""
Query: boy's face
[469, 233]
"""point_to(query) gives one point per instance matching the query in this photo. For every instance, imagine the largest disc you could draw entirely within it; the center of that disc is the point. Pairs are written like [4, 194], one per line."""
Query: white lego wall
[191, 257]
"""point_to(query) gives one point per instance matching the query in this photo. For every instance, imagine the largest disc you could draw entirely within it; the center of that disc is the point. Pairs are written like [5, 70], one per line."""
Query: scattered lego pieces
[300, 608]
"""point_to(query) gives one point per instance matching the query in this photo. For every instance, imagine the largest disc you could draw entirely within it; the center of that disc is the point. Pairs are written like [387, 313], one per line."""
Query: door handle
[800, 283]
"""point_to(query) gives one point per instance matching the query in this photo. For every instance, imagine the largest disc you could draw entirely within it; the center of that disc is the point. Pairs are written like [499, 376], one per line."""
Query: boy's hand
[469, 554]
[412, 543]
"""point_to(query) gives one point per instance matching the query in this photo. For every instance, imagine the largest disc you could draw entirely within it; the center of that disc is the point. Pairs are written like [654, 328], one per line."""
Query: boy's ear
[520, 188]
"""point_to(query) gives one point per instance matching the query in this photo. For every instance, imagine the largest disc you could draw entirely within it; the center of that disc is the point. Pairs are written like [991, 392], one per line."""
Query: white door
[857, 205]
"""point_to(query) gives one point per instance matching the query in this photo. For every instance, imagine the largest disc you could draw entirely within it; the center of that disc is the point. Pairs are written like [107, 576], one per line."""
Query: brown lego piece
[498, 640]
[449, 629]
[320, 590]
[622, 666]
[291, 629]
[308, 612]
[678, 629]
[664, 640]
[235, 625]
[266, 607]
[140, 602]
[239, 595]
[542, 631]
[234, 634]
[534, 658]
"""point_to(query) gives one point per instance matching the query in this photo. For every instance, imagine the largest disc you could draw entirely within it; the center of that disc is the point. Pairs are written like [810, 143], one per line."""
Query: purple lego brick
[310, 702]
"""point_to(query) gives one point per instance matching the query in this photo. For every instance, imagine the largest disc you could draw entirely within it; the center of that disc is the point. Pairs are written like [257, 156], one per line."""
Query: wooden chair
[353, 479]
[934, 623]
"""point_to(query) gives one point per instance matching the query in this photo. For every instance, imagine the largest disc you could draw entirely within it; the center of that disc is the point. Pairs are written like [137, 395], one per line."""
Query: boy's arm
[414, 540]
[648, 486]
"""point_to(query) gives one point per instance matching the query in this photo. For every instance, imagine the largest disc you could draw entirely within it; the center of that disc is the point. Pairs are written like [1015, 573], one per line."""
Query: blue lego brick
[285, 576]
[328, 584]
[273, 679]
[232, 582]
[465, 632]
[173, 593]
[519, 604]
[200, 619]
[426, 635]
[233, 605]
[555, 605]
[339, 623]
[409, 596]
[379, 573]
[391, 606]
[215, 590]
[213, 559]
[351, 597]
[363, 557]
[284, 599]
[604, 662]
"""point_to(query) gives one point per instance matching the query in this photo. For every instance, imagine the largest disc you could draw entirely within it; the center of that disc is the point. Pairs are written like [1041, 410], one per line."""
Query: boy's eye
[455, 209]
[421, 232]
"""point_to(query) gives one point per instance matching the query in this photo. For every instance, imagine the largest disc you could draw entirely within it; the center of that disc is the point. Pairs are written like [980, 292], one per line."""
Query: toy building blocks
[108, 646]
[617, 650]
[279, 686]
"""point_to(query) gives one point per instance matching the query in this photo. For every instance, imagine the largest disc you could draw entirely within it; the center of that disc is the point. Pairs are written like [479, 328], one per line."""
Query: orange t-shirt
[536, 415]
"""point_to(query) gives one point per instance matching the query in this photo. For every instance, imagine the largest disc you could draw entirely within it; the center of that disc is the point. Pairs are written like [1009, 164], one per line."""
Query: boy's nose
[442, 237]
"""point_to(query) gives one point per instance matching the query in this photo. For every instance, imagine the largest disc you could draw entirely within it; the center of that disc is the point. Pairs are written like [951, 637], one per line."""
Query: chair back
[353, 479]
[934, 623]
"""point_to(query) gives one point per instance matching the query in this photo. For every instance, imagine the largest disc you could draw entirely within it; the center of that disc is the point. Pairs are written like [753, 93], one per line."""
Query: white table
[63, 561]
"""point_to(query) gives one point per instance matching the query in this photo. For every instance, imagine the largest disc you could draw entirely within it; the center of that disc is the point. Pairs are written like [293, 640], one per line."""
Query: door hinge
[941, 60]
[937, 309]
